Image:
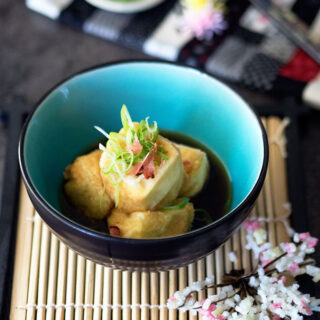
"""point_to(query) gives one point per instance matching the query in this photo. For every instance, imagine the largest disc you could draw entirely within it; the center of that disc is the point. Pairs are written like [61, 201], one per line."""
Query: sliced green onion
[154, 126]
[130, 165]
[123, 159]
[163, 156]
[102, 147]
[116, 135]
[106, 171]
[130, 137]
[102, 131]
[125, 118]
[162, 150]
[184, 202]
[115, 146]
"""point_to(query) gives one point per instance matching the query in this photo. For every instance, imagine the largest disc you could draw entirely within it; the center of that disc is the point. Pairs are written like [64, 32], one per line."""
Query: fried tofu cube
[135, 194]
[196, 167]
[150, 224]
[84, 187]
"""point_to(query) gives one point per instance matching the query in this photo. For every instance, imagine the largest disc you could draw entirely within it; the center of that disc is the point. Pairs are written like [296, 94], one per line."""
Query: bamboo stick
[71, 278]
[278, 172]
[43, 272]
[154, 294]
[23, 249]
[116, 294]
[52, 283]
[245, 254]
[254, 261]
[81, 270]
[34, 270]
[192, 277]
[272, 234]
[98, 291]
[201, 275]
[268, 209]
[219, 264]
[172, 290]
[145, 295]
[210, 270]
[61, 289]
[236, 243]
[89, 290]
[183, 282]
[227, 250]
[126, 294]
[136, 295]
[163, 294]
[107, 293]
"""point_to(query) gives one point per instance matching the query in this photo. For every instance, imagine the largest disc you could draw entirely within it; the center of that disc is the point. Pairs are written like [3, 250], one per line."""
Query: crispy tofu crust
[196, 167]
[85, 189]
[152, 193]
[152, 224]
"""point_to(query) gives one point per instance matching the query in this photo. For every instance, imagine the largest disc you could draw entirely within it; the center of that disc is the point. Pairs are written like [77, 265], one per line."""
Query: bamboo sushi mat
[53, 282]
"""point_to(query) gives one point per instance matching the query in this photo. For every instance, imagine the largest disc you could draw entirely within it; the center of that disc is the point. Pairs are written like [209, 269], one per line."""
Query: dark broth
[214, 200]
[210, 204]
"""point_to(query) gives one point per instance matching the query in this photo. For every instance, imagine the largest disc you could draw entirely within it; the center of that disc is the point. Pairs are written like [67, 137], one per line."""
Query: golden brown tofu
[196, 167]
[85, 189]
[148, 194]
[151, 224]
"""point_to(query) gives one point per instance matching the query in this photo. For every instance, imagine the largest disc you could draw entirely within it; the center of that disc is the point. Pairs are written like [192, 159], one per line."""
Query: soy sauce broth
[210, 204]
[214, 200]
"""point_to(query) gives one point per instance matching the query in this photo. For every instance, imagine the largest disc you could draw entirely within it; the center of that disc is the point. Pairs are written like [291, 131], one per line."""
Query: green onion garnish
[182, 202]
[131, 146]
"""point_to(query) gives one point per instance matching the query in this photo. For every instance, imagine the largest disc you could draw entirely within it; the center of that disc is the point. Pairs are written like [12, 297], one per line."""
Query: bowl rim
[248, 200]
[124, 7]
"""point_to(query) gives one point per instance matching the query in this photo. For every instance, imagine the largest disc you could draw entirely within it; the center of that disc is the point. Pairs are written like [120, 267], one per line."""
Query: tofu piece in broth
[84, 187]
[196, 167]
[136, 193]
[150, 224]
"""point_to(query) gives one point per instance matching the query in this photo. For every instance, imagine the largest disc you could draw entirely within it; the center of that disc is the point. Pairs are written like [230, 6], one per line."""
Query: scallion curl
[184, 202]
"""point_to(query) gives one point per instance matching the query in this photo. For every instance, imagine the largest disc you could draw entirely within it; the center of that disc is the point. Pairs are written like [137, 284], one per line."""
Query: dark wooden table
[36, 53]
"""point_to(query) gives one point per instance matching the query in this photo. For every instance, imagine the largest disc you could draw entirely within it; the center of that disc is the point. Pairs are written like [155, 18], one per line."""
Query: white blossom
[232, 256]
[269, 293]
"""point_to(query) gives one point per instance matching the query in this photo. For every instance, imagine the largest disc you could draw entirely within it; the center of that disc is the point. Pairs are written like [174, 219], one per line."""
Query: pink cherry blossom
[208, 312]
[290, 247]
[276, 305]
[305, 307]
[252, 225]
[303, 236]
[283, 279]
[312, 242]
[265, 262]
[294, 267]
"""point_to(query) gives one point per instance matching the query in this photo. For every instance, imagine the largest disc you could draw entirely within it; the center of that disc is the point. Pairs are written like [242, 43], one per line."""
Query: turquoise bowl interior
[178, 98]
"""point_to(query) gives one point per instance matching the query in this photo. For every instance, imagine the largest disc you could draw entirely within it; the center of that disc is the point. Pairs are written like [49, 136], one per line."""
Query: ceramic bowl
[181, 99]
[120, 6]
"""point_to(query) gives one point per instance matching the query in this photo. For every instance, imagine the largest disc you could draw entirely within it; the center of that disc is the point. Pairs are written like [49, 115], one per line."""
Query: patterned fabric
[106, 25]
[226, 62]
[260, 72]
[251, 51]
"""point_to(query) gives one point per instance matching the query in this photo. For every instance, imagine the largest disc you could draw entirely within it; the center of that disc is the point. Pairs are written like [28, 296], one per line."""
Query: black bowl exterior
[146, 254]
[142, 255]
